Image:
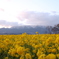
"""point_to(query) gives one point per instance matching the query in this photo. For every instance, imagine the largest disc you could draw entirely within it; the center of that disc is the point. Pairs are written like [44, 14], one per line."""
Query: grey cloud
[5, 23]
[39, 18]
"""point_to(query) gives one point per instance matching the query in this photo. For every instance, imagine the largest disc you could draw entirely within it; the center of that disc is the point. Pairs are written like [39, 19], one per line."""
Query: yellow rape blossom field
[26, 46]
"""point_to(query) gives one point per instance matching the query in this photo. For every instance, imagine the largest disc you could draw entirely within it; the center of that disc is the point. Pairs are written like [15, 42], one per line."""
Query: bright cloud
[16, 12]
[8, 12]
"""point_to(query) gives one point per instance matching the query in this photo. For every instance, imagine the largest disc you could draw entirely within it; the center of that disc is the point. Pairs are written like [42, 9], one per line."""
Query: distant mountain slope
[22, 29]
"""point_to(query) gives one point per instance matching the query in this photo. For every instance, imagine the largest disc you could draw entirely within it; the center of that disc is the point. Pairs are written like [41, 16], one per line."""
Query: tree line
[54, 29]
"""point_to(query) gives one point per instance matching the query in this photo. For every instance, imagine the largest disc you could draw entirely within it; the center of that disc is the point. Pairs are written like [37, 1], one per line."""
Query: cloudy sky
[29, 12]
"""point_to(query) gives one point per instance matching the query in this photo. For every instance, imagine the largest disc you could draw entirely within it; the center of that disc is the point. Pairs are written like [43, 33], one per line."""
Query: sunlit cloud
[1, 9]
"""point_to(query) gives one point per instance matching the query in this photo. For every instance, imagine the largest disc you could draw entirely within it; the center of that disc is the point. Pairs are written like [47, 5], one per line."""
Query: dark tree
[55, 29]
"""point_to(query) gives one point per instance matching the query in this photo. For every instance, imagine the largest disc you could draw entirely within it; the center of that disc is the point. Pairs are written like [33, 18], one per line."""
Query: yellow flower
[58, 48]
[28, 56]
[54, 50]
[49, 50]
[36, 46]
[37, 32]
[34, 51]
[43, 56]
[20, 50]
[57, 56]
[16, 55]
[22, 57]
[6, 58]
[39, 53]
[12, 52]
[51, 56]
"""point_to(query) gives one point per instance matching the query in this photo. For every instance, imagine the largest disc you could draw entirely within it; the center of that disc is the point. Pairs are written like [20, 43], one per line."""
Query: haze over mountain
[23, 29]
